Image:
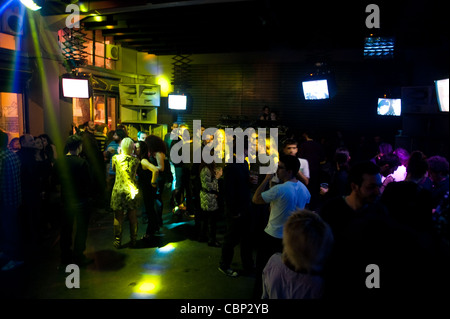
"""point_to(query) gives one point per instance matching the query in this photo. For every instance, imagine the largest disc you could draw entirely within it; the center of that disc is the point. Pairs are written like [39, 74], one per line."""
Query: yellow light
[167, 248]
[83, 7]
[99, 18]
[150, 285]
[165, 85]
[146, 287]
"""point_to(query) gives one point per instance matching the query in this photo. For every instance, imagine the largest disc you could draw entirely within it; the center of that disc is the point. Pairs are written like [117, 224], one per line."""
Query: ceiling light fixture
[30, 4]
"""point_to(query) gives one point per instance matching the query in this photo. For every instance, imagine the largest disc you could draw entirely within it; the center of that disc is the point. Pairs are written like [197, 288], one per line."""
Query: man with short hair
[167, 138]
[73, 173]
[284, 199]
[362, 233]
[290, 147]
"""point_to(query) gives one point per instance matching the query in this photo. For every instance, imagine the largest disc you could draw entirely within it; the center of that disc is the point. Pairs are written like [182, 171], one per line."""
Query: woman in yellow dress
[124, 196]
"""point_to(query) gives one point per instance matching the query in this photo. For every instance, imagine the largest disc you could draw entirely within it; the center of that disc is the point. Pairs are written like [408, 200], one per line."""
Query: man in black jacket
[74, 175]
[237, 198]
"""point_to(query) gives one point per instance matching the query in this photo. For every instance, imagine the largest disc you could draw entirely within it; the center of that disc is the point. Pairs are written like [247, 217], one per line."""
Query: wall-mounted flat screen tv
[78, 88]
[316, 89]
[389, 107]
[442, 87]
[177, 102]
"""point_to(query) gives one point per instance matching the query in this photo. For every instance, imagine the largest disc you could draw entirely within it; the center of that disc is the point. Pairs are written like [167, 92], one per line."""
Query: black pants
[208, 225]
[268, 246]
[238, 232]
[79, 214]
[182, 187]
[149, 196]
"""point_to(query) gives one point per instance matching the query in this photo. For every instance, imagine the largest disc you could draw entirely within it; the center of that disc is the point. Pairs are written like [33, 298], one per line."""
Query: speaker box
[12, 21]
[112, 52]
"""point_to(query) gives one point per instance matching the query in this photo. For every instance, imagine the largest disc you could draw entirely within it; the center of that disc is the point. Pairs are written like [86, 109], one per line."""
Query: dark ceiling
[223, 26]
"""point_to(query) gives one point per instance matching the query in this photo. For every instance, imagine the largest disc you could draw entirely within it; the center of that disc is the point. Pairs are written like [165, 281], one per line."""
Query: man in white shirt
[290, 147]
[284, 199]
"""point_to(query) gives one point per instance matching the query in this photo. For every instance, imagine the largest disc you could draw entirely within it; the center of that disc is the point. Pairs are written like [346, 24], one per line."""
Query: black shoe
[214, 244]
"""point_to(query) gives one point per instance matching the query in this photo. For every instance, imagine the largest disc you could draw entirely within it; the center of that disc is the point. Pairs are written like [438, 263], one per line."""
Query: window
[9, 42]
[88, 45]
[11, 114]
[95, 50]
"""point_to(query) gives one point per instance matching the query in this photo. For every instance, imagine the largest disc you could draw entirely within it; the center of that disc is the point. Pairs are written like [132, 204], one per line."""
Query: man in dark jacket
[74, 175]
[237, 197]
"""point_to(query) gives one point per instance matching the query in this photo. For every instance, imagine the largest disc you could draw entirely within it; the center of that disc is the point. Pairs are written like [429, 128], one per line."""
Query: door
[104, 109]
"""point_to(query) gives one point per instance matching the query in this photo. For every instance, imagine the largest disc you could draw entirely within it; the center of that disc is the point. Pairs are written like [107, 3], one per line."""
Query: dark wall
[242, 89]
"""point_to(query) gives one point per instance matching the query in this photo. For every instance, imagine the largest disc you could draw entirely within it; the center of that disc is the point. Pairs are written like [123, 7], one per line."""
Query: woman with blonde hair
[124, 196]
[297, 272]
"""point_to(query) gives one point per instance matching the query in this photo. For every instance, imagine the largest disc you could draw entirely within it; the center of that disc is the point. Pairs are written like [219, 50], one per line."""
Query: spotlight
[30, 4]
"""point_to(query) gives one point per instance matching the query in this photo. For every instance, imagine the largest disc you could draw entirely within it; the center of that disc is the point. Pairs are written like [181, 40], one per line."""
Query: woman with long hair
[125, 192]
[147, 186]
[49, 147]
[209, 203]
[157, 157]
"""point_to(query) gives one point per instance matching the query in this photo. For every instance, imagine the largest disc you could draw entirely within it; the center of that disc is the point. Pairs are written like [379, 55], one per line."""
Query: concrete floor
[174, 267]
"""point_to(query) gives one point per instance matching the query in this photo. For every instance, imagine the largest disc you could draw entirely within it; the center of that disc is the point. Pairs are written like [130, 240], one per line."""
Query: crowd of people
[309, 230]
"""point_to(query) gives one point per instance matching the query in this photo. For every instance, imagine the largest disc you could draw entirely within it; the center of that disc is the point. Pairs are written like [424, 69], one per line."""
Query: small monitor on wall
[78, 88]
[177, 102]
[389, 107]
[315, 89]
[442, 87]
[379, 47]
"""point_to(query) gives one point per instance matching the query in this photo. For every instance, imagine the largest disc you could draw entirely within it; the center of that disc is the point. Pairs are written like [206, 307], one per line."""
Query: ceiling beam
[103, 7]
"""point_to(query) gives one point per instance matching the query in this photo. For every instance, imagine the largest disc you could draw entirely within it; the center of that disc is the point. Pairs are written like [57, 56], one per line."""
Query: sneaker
[228, 272]
[117, 243]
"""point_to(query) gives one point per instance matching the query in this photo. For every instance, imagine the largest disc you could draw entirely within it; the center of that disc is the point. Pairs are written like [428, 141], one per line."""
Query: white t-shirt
[284, 199]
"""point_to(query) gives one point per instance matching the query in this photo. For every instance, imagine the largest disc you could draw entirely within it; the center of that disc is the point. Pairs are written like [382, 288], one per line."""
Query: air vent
[112, 52]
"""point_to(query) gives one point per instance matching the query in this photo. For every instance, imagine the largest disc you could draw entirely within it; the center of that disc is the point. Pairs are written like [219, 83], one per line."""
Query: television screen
[177, 102]
[379, 47]
[315, 90]
[392, 107]
[442, 94]
[78, 88]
